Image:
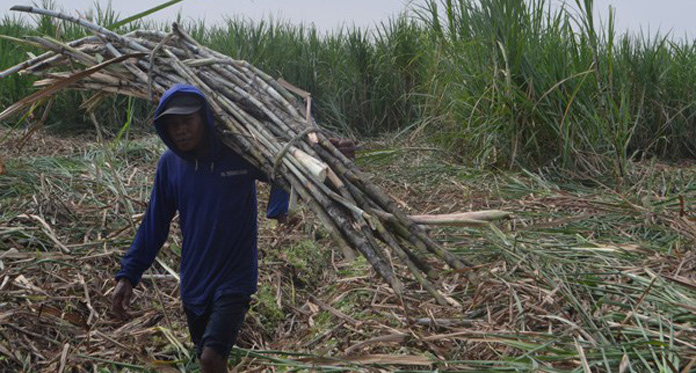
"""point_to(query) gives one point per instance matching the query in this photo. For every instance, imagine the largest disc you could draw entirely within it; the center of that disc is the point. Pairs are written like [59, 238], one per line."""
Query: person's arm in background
[152, 233]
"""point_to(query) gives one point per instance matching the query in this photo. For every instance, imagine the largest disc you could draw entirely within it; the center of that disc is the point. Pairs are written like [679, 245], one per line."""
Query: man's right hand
[345, 146]
[121, 299]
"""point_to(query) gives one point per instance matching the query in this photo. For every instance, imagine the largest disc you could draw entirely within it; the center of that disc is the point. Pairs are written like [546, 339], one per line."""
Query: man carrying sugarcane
[213, 188]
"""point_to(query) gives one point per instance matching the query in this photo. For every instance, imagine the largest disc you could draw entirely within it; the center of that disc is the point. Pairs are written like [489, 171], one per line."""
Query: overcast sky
[325, 14]
[675, 16]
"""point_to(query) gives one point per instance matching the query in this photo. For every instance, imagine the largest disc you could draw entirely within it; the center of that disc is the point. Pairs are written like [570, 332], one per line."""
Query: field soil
[587, 275]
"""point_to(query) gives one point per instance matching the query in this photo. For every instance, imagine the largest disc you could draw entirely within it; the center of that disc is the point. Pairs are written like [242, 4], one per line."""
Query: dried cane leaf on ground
[583, 275]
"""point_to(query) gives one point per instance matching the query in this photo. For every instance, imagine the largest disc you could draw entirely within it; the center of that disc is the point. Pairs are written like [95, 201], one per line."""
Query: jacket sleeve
[153, 230]
[277, 202]
[279, 199]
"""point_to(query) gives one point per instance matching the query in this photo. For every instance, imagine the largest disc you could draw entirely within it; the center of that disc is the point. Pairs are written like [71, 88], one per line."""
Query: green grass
[500, 83]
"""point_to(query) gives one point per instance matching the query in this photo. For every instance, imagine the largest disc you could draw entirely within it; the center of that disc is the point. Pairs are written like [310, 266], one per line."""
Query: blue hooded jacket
[216, 200]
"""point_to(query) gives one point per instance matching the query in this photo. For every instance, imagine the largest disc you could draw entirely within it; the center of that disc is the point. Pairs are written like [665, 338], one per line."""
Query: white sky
[325, 14]
[675, 16]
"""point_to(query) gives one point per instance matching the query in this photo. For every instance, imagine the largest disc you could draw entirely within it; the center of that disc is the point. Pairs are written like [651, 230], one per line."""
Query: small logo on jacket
[233, 173]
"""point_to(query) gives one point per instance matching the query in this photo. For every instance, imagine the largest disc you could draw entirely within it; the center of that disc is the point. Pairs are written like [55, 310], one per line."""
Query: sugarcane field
[465, 186]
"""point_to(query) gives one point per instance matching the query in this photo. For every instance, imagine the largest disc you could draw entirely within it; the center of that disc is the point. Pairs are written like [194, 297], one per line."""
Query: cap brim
[179, 110]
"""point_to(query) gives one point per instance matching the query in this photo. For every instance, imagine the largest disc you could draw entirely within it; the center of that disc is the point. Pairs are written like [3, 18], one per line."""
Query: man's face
[185, 131]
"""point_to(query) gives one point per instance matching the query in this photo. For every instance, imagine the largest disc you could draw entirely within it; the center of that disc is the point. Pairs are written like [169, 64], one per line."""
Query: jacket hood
[213, 139]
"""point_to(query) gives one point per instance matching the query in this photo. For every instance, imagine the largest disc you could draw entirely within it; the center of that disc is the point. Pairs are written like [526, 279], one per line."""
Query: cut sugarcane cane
[267, 121]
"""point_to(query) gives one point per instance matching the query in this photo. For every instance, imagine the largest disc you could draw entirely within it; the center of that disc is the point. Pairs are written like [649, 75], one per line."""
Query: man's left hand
[288, 221]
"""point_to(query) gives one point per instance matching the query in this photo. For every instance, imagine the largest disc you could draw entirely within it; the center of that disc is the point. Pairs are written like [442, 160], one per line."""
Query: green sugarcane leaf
[143, 14]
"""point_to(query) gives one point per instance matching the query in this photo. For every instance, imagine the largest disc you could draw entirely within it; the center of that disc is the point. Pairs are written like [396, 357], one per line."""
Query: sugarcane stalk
[110, 89]
[133, 68]
[388, 204]
[235, 90]
[345, 227]
[370, 248]
[58, 60]
[401, 231]
[310, 163]
[418, 260]
[270, 85]
[42, 57]
[149, 44]
[384, 202]
[264, 137]
[359, 217]
[232, 74]
[97, 78]
[477, 218]
[444, 219]
[328, 223]
[12, 109]
[399, 251]
[349, 191]
[65, 50]
[314, 166]
[88, 25]
[151, 69]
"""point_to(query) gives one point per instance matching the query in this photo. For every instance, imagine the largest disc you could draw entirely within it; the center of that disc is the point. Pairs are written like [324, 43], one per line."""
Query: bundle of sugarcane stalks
[259, 117]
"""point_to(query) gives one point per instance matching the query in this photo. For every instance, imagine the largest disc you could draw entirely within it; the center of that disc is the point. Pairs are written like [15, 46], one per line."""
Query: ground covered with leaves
[590, 275]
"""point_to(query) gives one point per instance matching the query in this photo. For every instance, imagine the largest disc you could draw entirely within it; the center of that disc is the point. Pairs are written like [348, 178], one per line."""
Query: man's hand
[345, 146]
[287, 221]
[121, 299]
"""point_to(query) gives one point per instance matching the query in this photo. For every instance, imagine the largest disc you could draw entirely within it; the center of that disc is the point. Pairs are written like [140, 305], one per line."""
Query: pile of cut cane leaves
[257, 116]
[584, 279]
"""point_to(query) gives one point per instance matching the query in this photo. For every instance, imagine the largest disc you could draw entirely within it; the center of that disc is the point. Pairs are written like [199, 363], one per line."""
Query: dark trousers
[219, 325]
